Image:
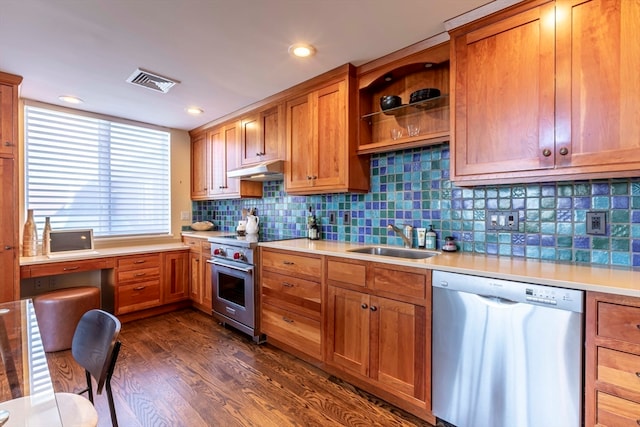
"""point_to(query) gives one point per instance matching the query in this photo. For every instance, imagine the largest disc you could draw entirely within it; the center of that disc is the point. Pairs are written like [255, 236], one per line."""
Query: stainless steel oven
[233, 293]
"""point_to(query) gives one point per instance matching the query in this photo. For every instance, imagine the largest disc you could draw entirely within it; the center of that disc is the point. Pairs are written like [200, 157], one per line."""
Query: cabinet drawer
[292, 264]
[619, 322]
[292, 329]
[400, 282]
[293, 291]
[66, 267]
[139, 274]
[619, 369]
[343, 271]
[136, 262]
[192, 242]
[138, 296]
[613, 411]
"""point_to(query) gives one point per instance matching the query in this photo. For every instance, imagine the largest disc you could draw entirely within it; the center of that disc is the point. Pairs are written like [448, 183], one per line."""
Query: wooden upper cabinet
[199, 167]
[8, 116]
[213, 153]
[598, 89]
[503, 92]
[262, 136]
[547, 91]
[320, 137]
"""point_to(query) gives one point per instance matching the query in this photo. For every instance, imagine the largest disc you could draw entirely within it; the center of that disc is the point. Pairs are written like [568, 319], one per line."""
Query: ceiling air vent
[151, 81]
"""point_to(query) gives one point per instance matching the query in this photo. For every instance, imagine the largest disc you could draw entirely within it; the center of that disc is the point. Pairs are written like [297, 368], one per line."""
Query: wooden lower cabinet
[137, 283]
[378, 338]
[175, 276]
[612, 396]
[199, 273]
[290, 301]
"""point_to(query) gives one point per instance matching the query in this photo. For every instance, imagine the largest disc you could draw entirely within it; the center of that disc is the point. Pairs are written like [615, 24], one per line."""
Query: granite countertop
[614, 280]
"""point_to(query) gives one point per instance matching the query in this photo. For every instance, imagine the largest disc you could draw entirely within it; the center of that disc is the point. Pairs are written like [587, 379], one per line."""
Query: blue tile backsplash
[413, 187]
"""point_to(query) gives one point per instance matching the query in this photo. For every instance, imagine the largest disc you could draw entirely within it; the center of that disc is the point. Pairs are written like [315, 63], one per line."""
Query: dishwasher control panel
[511, 291]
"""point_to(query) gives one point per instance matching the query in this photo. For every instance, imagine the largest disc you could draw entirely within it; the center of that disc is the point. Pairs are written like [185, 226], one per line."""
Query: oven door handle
[233, 267]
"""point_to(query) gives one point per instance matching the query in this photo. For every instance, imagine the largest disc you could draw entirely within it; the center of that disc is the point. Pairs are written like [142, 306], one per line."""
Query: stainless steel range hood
[266, 171]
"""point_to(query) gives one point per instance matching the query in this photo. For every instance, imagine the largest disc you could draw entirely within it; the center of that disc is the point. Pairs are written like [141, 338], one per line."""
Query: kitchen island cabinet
[546, 91]
[9, 240]
[321, 137]
[379, 330]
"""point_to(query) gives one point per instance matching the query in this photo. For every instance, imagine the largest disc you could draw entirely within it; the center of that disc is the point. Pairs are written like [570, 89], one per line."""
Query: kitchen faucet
[405, 234]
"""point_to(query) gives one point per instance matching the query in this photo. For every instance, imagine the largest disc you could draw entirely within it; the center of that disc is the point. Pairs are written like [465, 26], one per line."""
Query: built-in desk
[166, 288]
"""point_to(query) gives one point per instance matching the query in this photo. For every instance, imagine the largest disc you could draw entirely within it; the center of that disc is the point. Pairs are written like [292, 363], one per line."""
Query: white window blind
[89, 172]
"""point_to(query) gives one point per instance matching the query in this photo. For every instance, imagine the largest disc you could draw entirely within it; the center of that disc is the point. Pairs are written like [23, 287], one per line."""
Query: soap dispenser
[430, 239]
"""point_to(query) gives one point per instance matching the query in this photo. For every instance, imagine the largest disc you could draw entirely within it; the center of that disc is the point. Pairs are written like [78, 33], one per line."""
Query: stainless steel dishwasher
[506, 354]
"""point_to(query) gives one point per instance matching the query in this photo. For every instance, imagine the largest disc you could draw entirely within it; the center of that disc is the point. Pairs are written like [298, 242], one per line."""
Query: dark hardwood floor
[183, 369]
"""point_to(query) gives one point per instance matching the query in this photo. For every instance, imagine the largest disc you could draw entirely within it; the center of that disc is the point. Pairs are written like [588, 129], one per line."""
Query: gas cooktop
[252, 239]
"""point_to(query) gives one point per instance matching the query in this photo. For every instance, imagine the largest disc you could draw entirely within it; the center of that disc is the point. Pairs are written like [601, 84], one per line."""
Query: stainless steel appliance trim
[265, 171]
[246, 269]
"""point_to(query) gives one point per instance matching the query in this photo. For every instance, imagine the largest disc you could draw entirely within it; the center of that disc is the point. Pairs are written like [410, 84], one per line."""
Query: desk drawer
[138, 296]
[613, 411]
[138, 261]
[140, 274]
[621, 322]
[65, 267]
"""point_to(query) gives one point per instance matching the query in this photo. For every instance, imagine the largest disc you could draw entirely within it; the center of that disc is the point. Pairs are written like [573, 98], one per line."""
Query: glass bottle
[30, 236]
[46, 237]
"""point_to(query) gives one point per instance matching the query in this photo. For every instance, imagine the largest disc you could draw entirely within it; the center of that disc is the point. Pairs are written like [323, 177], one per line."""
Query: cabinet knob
[373, 308]
[286, 319]
[546, 152]
[308, 177]
[288, 262]
[8, 144]
[638, 374]
[364, 306]
[564, 151]
[8, 248]
[287, 285]
[139, 288]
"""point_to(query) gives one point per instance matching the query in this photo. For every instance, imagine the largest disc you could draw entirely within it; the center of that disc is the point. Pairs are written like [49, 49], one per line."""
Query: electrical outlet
[38, 284]
[53, 282]
[597, 223]
[502, 221]
[333, 220]
[346, 218]
[184, 215]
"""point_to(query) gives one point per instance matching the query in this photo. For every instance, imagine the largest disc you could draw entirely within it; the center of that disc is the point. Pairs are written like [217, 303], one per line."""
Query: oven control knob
[240, 256]
[218, 251]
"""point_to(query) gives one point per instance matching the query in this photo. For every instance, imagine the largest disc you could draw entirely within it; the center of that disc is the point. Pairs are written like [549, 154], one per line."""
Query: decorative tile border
[412, 187]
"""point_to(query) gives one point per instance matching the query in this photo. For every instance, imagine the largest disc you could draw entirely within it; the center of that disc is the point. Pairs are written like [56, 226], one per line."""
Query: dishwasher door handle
[498, 300]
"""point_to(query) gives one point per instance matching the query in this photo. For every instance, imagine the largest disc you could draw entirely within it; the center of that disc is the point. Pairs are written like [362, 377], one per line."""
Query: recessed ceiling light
[194, 110]
[70, 99]
[302, 50]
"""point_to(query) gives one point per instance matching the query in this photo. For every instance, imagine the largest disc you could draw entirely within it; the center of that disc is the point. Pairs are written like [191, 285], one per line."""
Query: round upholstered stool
[58, 313]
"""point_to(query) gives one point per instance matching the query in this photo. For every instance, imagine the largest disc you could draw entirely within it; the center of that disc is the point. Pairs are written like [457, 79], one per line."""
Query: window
[86, 171]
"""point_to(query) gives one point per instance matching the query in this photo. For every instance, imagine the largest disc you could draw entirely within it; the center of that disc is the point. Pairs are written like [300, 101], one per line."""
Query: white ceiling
[226, 53]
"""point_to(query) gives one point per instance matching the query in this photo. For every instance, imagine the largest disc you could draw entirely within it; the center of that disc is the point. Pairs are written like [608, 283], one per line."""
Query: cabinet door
[348, 330]
[503, 77]
[232, 159]
[176, 276]
[330, 151]
[262, 137]
[598, 93]
[217, 161]
[300, 143]
[7, 121]
[8, 244]
[195, 277]
[398, 347]
[199, 169]
[206, 279]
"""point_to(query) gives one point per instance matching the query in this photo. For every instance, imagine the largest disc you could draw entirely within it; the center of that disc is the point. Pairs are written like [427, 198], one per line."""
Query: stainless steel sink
[394, 252]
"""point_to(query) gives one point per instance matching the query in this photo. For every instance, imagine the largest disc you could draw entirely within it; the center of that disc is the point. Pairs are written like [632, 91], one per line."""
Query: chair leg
[89, 386]
[112, 407]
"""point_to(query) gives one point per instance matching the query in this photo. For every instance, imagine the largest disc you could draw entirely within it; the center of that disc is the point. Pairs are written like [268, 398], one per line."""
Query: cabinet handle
[286, 319]
[638, 326]
[140, 261]
[564, 151]
[308, 177]
[8, 248]
[287, 285]
[8, 144]
[197, 260]
[70, 268]
[638, 374]
[373, 308]
[314, 177]
[546, 152]
[140, 274]
[139, 288]
[364, 306]
[291, 263]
